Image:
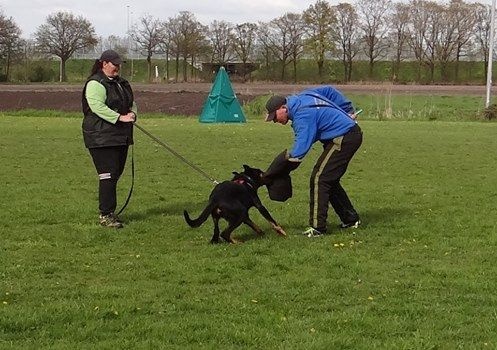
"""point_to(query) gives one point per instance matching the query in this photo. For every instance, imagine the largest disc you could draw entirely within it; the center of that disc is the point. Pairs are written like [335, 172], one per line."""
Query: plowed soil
[188, 98]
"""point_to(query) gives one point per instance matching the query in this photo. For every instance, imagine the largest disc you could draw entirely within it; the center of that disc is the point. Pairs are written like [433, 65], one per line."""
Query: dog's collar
[245, 180]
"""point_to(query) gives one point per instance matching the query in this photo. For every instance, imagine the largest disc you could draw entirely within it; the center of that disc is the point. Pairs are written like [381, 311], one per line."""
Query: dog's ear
[246, 167]
[235, 173]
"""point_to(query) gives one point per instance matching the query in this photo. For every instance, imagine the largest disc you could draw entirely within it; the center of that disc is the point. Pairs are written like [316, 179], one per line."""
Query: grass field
[419, 274]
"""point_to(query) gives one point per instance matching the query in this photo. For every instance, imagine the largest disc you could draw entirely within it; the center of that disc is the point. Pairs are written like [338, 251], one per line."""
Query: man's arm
[336, 97]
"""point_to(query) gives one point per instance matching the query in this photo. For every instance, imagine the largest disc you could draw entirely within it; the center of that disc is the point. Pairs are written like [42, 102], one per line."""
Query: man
[322, 114]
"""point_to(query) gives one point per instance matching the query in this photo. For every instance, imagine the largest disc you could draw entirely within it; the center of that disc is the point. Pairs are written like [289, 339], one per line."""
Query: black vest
[98, 132]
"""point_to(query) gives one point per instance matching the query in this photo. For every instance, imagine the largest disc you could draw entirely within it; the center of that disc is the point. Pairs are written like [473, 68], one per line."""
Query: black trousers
[325, 187]
[109, 162]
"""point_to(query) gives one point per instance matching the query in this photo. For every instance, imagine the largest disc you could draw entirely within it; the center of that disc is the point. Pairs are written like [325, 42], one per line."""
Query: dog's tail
[201, 219]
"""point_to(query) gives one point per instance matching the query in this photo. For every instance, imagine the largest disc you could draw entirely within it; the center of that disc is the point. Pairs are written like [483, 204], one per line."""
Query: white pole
[490, 53]
[60, 70]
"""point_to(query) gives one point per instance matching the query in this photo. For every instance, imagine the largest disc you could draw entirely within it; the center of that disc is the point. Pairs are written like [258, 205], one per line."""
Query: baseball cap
[272, 105]
[111, 56]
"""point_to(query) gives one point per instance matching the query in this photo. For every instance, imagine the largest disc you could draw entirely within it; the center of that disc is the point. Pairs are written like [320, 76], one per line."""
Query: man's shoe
[354, 224]
[111, 220]
[312, 232]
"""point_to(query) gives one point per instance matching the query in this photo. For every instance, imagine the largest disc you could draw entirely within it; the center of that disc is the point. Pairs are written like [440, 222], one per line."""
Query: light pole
[490, 53]
[129, 43]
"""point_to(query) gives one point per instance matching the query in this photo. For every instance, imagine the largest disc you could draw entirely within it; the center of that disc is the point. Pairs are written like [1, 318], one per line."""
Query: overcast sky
[110, 17]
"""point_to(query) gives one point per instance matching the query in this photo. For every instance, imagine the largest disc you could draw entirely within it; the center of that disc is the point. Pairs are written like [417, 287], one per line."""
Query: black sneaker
[354, 224]
[111, 220]
[311, 232]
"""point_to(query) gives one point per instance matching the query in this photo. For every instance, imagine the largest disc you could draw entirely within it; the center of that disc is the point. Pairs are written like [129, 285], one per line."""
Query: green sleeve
[96, 95]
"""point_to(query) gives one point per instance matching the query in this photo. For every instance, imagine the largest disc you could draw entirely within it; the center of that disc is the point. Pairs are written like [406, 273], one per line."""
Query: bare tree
[63, 34]
[264, 47]
[148, 34]
[319, 20]
[346, 36]
[424, 28]
[244, 43]
[221, 37]
[117, 44]
[187, 40]
[446, 43]
[174, 42]
[296, 31]
[11, 44]
[464, 15]
[284, 39]
[482, 31]
[166, 46]
[398, 19]
[374, 29]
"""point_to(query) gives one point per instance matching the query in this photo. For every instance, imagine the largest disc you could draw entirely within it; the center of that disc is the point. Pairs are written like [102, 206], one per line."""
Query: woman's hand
[127, 118]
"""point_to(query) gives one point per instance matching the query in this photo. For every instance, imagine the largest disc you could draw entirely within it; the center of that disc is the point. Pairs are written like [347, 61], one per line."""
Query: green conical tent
[222, 105]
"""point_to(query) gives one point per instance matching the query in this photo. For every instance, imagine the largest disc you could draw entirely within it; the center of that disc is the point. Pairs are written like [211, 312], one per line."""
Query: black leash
[179, 156]
[132, 180]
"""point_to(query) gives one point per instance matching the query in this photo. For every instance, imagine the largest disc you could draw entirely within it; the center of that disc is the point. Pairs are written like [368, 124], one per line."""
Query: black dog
[231, 200]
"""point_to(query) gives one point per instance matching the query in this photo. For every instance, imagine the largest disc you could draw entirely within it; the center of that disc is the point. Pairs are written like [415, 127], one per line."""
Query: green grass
[384, 106]
[419, 274]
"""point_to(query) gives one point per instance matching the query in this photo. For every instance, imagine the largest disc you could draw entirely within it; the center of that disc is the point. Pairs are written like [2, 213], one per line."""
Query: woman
[109, 112]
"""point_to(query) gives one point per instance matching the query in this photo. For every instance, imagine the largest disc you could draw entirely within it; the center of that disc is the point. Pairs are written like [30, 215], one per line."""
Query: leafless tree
[346, 36]
[264, 47]
[221, 38]
[63, 34]
[148, 34]
[296, 31]
[464, 15]
[244, 42]
[446, 44]
[187, 40]
[11, 44]
[319, 20]
[284, 38]
[166, 47]
[374, 27]
[116, 43]
[398, 20]
[424, 30]
[482, 31]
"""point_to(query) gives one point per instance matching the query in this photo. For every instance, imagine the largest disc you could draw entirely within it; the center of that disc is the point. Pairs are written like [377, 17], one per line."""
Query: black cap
[272, 105]
[111, 56]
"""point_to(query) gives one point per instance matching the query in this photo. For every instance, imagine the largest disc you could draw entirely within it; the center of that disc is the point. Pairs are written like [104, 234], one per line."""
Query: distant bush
[41, 73]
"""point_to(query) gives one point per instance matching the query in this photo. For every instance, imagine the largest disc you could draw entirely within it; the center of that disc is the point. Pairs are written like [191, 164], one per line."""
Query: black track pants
[325, 187]
[109, 162]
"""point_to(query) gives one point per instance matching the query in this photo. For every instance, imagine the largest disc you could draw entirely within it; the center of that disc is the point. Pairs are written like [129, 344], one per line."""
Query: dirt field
[188, 98]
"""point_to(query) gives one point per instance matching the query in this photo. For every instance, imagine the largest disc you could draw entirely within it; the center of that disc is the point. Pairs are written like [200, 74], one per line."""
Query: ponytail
[97, 65]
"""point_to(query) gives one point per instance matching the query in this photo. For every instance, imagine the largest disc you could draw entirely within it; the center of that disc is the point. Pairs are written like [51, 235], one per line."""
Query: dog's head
[252, 176]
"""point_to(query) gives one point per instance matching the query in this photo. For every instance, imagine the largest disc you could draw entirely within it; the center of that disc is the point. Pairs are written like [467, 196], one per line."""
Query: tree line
[434, 35]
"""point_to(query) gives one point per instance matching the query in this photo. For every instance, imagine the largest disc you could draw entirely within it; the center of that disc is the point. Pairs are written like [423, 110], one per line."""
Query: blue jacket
[318, 114]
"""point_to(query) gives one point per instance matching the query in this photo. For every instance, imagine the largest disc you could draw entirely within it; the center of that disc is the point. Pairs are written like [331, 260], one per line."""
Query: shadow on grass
[369, 218]
[384, 215]
[176, 208]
